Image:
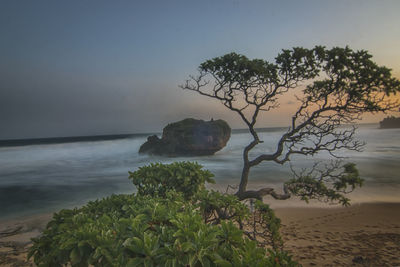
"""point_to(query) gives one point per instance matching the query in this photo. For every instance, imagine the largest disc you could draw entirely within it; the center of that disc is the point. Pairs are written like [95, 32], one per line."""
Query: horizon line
[107, 137]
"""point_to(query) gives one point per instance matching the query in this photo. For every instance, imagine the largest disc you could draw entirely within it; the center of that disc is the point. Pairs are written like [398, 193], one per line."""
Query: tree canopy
[333, 87]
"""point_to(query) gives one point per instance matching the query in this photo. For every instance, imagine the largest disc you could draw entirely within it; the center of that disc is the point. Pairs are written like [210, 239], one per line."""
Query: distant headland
[67, 139]
[390, 122]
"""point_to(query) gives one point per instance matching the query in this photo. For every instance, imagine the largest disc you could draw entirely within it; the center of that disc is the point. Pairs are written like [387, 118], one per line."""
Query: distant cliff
[390, 122]
[189, 137]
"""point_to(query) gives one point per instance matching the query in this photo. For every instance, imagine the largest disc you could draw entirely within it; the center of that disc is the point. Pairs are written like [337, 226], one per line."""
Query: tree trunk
[244, 179]
[242, 193]
[259, 194]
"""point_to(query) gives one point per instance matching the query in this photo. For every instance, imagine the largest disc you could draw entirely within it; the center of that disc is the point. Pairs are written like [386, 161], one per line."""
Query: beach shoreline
[364, 234]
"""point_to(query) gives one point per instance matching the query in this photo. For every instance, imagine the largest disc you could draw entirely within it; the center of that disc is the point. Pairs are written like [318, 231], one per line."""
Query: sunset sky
[92, 67]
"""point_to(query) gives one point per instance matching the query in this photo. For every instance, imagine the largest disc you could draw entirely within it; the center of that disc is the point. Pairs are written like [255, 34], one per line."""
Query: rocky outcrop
[189, 137]
[390, 122]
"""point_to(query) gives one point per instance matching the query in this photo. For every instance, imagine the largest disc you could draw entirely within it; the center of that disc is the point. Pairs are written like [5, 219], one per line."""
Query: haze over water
[45, 178]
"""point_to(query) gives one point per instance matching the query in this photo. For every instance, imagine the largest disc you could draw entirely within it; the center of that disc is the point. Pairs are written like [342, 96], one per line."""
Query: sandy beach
[15, 238]
[365, 234]
[361, 235]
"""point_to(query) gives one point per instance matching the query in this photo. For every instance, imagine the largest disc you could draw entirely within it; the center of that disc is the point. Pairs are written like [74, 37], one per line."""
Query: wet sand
[362, 235]
[15, 238]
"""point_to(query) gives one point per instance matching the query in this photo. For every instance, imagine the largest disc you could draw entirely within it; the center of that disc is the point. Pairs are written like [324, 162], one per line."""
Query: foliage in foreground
[157, 179]
[173, 229]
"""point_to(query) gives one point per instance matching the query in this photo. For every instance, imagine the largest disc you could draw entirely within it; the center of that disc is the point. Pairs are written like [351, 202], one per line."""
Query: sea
[46, 175]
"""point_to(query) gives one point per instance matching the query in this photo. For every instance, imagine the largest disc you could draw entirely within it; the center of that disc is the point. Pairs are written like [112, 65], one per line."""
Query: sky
[92, 67]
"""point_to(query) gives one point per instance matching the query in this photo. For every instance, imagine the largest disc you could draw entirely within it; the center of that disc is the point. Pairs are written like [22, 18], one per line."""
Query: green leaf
[74, 256]
[187, 246]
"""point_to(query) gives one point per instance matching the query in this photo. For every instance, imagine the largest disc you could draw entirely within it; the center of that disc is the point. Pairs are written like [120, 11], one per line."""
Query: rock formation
[390, 122]
[189, 137]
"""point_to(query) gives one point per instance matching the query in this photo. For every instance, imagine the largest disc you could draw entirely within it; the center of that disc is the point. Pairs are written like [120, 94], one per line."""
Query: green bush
[215, 206]
[145, 231]
[156, 179]
[266, 226]
[154, 230]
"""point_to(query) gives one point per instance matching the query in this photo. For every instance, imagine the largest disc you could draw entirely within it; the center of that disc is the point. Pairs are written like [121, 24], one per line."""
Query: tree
[333, 86]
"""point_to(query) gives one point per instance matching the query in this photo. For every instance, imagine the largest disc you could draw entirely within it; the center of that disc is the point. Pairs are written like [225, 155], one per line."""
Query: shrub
[163, 228]
[145, 231]
[156, 179]
[215, 206]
